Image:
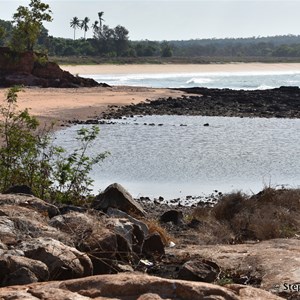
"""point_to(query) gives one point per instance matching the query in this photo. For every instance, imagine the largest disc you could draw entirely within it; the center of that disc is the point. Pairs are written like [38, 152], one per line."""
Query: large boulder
[132, 286]
[63, 262]
[23, 223]
[116, 196]
[21, 270]
[30, 202]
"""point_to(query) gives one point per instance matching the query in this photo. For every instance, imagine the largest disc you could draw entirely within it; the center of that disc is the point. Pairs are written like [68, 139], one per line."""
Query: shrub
[28, 156]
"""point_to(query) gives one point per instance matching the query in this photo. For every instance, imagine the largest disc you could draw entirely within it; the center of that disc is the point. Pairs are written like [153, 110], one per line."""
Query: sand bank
[82, 103]
[177, 68]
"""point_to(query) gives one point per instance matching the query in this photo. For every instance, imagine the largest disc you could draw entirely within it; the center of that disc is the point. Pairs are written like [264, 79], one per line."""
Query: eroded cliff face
[34, 69]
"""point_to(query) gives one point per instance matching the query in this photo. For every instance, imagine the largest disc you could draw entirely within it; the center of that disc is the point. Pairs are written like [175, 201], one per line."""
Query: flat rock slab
[132, 286]
[275, 261]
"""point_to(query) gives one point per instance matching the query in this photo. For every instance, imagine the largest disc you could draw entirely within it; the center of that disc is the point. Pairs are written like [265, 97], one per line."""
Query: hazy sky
[169, 19]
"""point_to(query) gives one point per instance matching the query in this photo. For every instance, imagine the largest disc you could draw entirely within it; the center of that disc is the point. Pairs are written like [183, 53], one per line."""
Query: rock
[174, 216]
[29, 202]
[19, 189]
[34, 69]
[199, 270]
[131, 232]
[153, 245]
[69, 208]
[132, 286]
[63, 262]
[116, 196]
[118, 213]
[101, 245]
[21, 270]
[8, 232]
[22, 223]
[266, 264]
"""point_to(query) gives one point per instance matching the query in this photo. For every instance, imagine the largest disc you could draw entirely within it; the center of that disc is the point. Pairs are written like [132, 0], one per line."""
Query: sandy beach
[83, 103]
[53, 104]
[177, 68]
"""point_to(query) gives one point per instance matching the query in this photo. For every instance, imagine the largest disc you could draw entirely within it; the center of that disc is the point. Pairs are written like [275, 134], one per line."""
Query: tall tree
[28, 24]
[75, 23]
[84, 25]
[100, 15]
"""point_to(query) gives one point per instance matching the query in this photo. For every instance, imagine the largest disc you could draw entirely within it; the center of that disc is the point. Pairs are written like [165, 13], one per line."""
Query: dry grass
[238, 217]
[155, 227]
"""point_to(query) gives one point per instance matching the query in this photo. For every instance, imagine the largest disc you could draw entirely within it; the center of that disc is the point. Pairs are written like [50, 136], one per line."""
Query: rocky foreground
[283, 102]
[112, 248]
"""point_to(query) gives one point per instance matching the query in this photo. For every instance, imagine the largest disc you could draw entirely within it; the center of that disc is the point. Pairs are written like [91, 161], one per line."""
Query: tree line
[27, 32]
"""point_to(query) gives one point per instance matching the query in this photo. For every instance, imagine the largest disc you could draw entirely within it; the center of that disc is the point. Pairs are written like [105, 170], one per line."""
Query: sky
[173, 20]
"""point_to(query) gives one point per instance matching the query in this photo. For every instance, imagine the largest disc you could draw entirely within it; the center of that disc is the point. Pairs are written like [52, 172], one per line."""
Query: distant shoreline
[179, 68]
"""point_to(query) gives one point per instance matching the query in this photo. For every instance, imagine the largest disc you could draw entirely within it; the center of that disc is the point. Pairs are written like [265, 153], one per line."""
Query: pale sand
[82, 103]
[176, 68]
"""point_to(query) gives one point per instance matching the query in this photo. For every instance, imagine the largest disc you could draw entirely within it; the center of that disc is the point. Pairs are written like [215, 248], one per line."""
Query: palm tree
[84, 25]
[100, 14]
[95, 26]
[75, 23]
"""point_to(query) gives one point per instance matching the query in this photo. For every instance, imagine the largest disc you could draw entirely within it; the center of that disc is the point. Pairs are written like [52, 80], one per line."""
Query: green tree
[100, 15]
[84, 25]
[75, 23]
[28, 24]
[166, 50]
[27, 157]
[121, 39]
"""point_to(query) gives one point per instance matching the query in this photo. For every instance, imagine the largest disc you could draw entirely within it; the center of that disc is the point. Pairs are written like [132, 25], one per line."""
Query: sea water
[234, 80]
[177, 156]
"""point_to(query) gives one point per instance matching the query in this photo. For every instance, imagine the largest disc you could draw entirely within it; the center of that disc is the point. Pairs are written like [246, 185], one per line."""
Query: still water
[177, 156]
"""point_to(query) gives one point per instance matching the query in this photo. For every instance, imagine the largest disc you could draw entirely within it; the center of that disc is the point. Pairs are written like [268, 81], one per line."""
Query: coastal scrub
[28, 156]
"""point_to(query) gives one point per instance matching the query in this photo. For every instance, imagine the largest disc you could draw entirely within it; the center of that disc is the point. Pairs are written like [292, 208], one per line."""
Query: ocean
[249, 80]
[179, 157]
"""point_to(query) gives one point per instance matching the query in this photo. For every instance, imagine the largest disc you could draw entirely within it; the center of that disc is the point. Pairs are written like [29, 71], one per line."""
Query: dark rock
[34, 69]
[174, 216]
[63, 262]
[17, 270]
[199, 270]
[280, 102]
[116, 196]
[69, 208]
[153, 245]
[29, 202]
[19, 189]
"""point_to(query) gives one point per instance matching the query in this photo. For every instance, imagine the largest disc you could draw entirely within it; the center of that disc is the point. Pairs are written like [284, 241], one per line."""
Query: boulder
[116, 196]
[22, 223]
[30, 202]
[153, 245]
[19, 189]
[174, 216]
[63, 262]
[21, 270]
[132, 286]
[199, 270]
[131, 232]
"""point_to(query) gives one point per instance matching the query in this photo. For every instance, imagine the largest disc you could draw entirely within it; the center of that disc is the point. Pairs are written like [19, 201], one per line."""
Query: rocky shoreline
[283, 102]
[116, 247]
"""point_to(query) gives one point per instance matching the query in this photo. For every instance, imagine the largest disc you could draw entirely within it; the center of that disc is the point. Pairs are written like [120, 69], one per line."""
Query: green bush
[29, 157]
